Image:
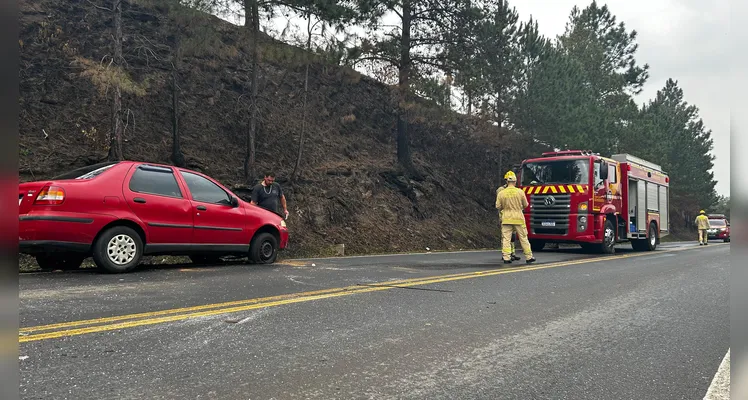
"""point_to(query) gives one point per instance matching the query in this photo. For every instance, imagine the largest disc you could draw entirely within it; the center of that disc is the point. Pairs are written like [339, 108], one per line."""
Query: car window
[155, 180]
[204, 190]
[87, 172]
[717, 223]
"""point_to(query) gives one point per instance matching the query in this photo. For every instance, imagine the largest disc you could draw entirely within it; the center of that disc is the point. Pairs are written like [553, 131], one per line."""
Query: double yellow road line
[73, 328]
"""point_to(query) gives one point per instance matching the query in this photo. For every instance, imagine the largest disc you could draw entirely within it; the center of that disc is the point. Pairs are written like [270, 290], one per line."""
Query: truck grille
[554, 208]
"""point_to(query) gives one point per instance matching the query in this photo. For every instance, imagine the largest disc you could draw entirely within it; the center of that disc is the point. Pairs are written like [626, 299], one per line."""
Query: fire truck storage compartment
[646, 198]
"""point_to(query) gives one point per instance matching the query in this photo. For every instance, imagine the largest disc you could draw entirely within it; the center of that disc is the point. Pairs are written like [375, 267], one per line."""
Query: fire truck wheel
[608, 246]
[652, 239]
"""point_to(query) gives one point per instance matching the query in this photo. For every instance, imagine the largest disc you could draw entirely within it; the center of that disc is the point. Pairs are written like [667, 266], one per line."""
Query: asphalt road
[436, 326]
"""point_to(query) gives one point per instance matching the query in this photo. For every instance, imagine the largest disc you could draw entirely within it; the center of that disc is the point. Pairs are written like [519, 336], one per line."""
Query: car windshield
[87, 172]
[556, 172]
[717, 223]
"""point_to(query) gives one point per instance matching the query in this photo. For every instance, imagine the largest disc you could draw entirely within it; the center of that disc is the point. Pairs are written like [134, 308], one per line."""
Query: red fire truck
[577, 196]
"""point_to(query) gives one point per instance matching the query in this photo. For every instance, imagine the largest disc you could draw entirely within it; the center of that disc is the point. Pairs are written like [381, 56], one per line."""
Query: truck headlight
[582, 223]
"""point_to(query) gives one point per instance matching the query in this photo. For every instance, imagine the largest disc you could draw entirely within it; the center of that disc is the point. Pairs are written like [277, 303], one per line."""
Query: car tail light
[50, 196]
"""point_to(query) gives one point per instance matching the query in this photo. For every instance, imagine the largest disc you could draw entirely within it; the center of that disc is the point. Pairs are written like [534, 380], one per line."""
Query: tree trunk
[176, 152]
[296, 168]
[248, 7]
[403, 139]
[469, 103]
[115, 144]
[249, 160]
[499, 110]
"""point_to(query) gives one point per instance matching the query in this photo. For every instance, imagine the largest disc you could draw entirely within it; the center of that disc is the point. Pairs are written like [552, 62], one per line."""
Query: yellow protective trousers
[506, 240]
[703, 236]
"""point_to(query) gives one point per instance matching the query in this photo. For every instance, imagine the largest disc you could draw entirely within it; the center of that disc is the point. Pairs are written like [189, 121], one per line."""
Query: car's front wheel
[263, 249]
[118, 249]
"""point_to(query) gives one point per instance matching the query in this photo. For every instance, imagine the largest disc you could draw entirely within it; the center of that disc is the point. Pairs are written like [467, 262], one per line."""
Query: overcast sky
[686, 40]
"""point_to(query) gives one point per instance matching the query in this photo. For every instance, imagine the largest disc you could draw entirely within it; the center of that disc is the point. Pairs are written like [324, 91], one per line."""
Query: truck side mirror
[603, 170]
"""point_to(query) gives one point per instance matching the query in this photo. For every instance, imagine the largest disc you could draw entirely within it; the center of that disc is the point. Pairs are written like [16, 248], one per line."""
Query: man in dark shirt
[268, 194]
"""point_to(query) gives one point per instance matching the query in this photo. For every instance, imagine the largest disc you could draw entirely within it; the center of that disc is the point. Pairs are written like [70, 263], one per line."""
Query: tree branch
[99, 7]
[377, 58]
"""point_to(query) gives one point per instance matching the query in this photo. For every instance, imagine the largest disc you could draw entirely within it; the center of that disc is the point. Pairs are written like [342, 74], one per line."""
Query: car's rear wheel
[263, 249]
[66, 262]
[118, 249]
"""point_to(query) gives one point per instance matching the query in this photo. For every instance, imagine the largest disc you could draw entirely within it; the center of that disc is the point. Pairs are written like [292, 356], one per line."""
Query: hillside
[350, 191]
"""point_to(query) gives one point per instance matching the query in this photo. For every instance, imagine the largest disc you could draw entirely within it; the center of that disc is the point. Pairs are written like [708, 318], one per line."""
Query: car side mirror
[234, 202]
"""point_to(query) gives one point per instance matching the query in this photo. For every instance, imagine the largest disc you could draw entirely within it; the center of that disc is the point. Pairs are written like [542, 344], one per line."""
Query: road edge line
[719, 389]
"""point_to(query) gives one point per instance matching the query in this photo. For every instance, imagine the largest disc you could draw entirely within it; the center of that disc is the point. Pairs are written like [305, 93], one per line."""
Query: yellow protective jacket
[511, 201]
[498, 207]
[702, 222]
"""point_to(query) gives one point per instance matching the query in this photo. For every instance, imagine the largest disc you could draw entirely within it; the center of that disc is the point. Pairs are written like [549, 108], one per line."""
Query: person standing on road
[702, 224]
[513, 256]
[269, 195]
[511, 202]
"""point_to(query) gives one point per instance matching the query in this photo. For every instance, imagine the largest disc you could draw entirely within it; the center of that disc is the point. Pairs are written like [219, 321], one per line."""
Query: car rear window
[155, 180]
[87, 172]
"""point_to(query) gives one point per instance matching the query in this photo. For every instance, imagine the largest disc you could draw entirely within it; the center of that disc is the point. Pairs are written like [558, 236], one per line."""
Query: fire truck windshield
[556, 172]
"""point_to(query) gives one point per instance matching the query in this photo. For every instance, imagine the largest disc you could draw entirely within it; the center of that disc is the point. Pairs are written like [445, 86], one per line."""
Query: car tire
[608, 246]
[118, 249]
[65, 262]
[263, 249]
[727, 240]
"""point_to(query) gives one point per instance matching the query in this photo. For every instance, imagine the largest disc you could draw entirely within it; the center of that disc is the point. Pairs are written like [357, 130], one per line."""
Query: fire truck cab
[580, 197]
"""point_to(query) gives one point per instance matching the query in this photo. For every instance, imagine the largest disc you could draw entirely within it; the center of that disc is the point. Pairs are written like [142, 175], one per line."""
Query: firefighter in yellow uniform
[513, 239]
[702, 224]
[511, 202]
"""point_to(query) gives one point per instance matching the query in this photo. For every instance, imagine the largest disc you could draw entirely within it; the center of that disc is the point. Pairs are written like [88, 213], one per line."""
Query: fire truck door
[600, 189]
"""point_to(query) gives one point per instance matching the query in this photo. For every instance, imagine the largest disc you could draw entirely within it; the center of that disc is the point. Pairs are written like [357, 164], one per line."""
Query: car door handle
[139, 200]
[202, 208]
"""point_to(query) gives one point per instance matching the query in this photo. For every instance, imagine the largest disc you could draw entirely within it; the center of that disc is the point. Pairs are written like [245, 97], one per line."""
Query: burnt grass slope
[350, 191]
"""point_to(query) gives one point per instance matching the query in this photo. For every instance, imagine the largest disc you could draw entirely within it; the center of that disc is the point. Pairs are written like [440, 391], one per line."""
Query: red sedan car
[719, 228]
[117, 212]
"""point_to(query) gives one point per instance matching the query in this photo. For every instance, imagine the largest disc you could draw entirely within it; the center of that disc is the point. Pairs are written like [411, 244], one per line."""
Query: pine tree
[416, 48]
[670, 131]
